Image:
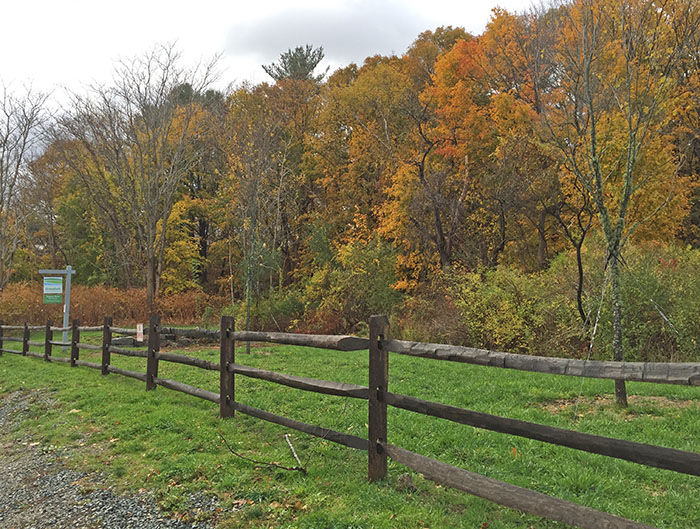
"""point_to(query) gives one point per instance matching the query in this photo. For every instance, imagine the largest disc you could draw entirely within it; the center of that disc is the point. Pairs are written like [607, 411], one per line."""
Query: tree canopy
[297, 64]
[551, 132]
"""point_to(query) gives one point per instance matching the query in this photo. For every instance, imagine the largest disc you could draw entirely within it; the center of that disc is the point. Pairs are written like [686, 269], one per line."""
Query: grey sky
[56, 44]
[348, 33]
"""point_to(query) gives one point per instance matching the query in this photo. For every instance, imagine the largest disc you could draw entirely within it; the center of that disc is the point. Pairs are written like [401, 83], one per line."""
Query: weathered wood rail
[380, 399]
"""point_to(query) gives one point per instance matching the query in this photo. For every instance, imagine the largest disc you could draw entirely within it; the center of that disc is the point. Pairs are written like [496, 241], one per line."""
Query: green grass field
[170, 442]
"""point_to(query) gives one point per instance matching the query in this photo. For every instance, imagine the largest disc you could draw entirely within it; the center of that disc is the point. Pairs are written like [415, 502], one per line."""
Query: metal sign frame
[68, 272]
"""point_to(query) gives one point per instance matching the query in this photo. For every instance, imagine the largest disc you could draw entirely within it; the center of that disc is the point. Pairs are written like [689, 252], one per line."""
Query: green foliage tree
[297, 64]
[20, 119]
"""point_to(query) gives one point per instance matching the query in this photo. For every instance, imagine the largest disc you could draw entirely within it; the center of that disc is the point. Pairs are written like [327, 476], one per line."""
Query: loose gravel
[37, 491]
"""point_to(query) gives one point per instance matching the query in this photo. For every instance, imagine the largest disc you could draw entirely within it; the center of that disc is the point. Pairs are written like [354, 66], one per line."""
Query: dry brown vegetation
[22, 302]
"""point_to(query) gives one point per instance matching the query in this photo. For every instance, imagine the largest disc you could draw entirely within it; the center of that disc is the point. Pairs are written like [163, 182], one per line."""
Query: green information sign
[53, 290]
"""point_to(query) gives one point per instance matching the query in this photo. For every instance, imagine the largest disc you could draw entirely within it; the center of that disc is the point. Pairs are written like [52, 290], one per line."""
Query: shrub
[276, 311]
[342, 294]
[430, 315]
[661, 318]
[507, 309]
[20, 302]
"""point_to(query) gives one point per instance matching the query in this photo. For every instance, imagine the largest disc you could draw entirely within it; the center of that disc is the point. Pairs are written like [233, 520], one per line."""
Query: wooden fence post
[227, 385]
[47, 341]
[1, 344]
[106, 342]
[153, 348]
[378, 381]
[25, 340]
[74, 340]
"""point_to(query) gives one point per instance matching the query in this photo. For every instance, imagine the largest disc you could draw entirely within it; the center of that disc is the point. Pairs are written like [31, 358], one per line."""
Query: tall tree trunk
[614, 263]
[249, 285]
[579, 285]
[150, 282]
[203, 233]
[542, 242]
[54, 245]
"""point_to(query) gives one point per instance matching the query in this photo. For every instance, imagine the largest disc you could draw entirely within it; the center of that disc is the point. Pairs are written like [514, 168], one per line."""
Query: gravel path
[37, 491]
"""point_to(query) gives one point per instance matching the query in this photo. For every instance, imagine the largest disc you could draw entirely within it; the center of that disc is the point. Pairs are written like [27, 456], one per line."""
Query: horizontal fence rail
[127, 373]
[512, 496]
[190, 390]
[87, 364]
[128, 352]
[88, 329]
[122, 330]
[344, 439]
[308, 384]
[649, 455]
[340, 343]
[88, 346]
[189, 360]
[379, 399]
[656, 372]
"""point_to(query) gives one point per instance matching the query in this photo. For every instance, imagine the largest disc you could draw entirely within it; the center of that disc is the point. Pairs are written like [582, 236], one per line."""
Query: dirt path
[37, 491]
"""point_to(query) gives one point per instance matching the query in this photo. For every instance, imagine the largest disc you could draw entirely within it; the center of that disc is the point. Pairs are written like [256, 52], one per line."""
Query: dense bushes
[507, 309]
[501, 309]
[357, 283]
[20, 302]
[350, 282]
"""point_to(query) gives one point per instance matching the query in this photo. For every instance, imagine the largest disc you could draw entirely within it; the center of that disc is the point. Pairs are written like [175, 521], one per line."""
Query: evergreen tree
[298, 64]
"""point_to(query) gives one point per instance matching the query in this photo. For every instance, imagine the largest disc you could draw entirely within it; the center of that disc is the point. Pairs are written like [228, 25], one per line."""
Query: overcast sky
[56, 44]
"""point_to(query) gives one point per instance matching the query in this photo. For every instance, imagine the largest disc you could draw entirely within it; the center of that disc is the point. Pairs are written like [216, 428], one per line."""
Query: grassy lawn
[170, 442]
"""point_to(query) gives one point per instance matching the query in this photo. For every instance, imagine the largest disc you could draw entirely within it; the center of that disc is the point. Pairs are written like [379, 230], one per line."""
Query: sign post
[53, 287]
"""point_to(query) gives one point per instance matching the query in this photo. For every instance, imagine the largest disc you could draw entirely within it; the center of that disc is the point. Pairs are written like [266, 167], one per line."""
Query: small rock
[404, 483]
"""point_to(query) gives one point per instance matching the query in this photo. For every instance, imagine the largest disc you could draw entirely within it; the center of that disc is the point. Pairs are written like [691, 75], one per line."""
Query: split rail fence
[379, 398]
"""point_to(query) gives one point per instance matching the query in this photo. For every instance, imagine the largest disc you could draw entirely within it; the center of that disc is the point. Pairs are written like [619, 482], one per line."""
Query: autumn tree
[197, 197]
[43, 193]
[376, 157]
[438, 185]
[128, 144]
[20, 120]
[609, 113]
[466, 140]
[252, 138]
[521, 73]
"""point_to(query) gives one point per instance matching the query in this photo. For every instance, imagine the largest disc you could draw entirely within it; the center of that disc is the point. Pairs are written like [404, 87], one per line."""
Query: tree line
[466, 152]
